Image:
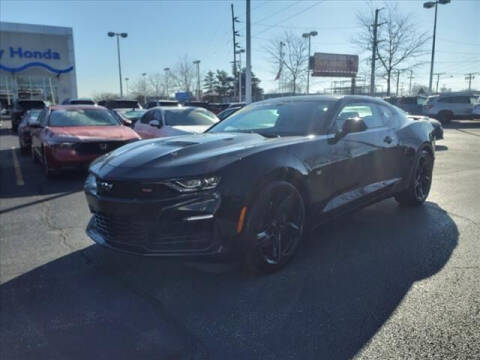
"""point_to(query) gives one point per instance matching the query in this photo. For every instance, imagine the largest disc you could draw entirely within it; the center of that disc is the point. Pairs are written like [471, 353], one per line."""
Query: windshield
[123, 104]
[87, 117]
[278, 119]
[189, 117]
[33, 115]
[31, 104]
[82, 102]
[135, 114]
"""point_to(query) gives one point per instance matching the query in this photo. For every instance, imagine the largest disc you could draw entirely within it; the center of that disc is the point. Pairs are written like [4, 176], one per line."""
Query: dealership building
[36, 62]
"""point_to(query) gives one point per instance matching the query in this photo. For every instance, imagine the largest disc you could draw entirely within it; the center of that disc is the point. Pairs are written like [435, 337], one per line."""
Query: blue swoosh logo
[33, 64]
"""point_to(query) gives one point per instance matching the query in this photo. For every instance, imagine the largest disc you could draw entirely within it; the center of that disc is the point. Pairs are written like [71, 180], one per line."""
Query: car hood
[179, 156]
[89, 133]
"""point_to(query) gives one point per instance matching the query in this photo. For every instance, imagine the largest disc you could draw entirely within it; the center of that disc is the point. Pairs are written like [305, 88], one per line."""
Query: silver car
[447, 107]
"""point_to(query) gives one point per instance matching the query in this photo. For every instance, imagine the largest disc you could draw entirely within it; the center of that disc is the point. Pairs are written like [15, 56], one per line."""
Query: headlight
[91, 184]
[198, 184]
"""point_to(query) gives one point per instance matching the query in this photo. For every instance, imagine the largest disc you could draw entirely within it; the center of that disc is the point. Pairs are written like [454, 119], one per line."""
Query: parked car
[476, 111]
[229, 111]
[24, 138]
[411, 104]
[247, 185]
[447, 107]
[20, 107]
[120, 105]
[170, 121]
[216, 108]
[155, 103]
[437, 125]
[81, 101]
[71, 136]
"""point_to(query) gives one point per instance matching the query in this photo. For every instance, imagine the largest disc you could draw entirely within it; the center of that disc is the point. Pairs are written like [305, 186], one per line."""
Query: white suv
[450, 106]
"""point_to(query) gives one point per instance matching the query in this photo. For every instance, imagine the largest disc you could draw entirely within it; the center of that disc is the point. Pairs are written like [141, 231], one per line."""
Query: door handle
[387, 139]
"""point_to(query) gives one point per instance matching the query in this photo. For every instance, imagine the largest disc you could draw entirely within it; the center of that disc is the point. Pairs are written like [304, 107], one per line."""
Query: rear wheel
[445, 117]
[23, 148]
[275, 227]
[419, 187]
[34, 156]
[46, 167]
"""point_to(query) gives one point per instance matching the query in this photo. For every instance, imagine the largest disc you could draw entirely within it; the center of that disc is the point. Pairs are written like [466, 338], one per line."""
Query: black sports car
[248, 185]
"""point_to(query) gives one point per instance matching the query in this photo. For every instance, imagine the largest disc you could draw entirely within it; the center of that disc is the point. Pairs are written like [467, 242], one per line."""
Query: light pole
[239, 53]
[118, 35]
[144, 88]
[309, 37]
[166, 80]
[197, 63]
[429, 5]
[126, 85]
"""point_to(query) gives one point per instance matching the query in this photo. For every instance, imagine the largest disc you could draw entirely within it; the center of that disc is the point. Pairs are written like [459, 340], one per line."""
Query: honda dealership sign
[37, 60]
[334, 65]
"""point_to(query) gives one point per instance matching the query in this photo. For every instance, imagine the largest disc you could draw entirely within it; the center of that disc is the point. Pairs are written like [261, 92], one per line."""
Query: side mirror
[155, 123]
[350, 125]
[353, 125]
[35, 125]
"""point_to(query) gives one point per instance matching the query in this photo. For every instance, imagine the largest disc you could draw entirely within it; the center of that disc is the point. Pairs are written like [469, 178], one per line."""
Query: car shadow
[441, 147]
[35, 182]
[347, 280]
[463, 124]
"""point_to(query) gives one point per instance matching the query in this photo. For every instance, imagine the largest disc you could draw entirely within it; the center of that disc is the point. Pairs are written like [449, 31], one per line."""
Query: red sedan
[71, 136]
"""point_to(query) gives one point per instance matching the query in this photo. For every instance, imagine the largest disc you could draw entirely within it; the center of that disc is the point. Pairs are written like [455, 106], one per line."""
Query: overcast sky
[160, 32]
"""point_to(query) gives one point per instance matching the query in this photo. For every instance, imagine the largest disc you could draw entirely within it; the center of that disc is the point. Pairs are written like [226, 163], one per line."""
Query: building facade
[36, 62]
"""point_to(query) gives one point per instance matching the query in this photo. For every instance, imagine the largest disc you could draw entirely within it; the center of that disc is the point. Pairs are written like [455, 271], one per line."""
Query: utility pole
[197, 63]
[309, 37]
[240, 73]
[398, 81]
[280, 70]
[374, 53]
[470, 77]
[438, 80]
[235, 45]
[144, 89]
[126, 83]
[166, 80]
[410, 82]
[248, 73]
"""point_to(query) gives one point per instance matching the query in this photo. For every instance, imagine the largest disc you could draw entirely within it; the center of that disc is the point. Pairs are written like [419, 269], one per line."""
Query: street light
[167, 69]
[118, 35]
[126, 85]
[144, 88]
[197, 63]
[429, 5]
[239, 53]
[309, 36]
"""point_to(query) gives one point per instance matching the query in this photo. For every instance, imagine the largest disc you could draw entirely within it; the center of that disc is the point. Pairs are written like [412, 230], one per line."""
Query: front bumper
[188, 225]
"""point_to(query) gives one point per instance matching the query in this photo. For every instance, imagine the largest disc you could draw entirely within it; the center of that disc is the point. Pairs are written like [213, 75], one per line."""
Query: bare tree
[399, 42]
[156, 82]
[184, 74]
[140, 88]
[293, 61]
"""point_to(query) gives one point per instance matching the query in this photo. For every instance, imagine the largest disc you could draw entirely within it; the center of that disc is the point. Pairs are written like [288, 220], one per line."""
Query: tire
[274, 228]
[34, 156]
[420, 182]
[23, 148]
[445, 117]
[49, 173]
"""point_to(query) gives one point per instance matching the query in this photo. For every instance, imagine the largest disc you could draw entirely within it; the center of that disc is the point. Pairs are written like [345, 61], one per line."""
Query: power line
[276, 12]
[291, 17]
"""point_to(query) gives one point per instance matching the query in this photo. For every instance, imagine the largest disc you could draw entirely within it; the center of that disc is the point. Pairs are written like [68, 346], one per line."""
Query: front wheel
[275, 227]
[419, 186]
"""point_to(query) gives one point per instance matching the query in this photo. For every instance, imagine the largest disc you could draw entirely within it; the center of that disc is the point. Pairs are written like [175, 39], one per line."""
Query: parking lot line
[18, 170]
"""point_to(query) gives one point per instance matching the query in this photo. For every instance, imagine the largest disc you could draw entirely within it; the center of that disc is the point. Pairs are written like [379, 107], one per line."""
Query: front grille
[121, 229]
[100, 147]
[131, 234]
[135, 190]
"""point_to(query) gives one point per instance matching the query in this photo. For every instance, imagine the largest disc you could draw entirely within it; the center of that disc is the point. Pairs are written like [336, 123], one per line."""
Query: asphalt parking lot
[384, 283]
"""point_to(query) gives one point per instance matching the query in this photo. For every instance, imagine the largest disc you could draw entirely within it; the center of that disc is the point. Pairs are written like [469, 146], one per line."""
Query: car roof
[322, 98]
[75, 107]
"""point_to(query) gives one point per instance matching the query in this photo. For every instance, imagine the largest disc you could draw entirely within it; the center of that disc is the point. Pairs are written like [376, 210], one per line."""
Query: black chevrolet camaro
[252, 184]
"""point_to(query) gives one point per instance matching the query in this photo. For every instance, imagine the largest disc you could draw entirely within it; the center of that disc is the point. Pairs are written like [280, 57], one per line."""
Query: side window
[369, 113]
[42, 118]
[387, 115]
[464, 99]
[147, 117]
[158, 116]
[445, 100]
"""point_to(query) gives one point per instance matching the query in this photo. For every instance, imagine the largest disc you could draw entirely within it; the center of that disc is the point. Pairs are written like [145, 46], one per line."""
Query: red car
[71, 136]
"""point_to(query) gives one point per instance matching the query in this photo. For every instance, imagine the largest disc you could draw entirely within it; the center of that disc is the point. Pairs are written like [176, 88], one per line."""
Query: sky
[162, 31]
